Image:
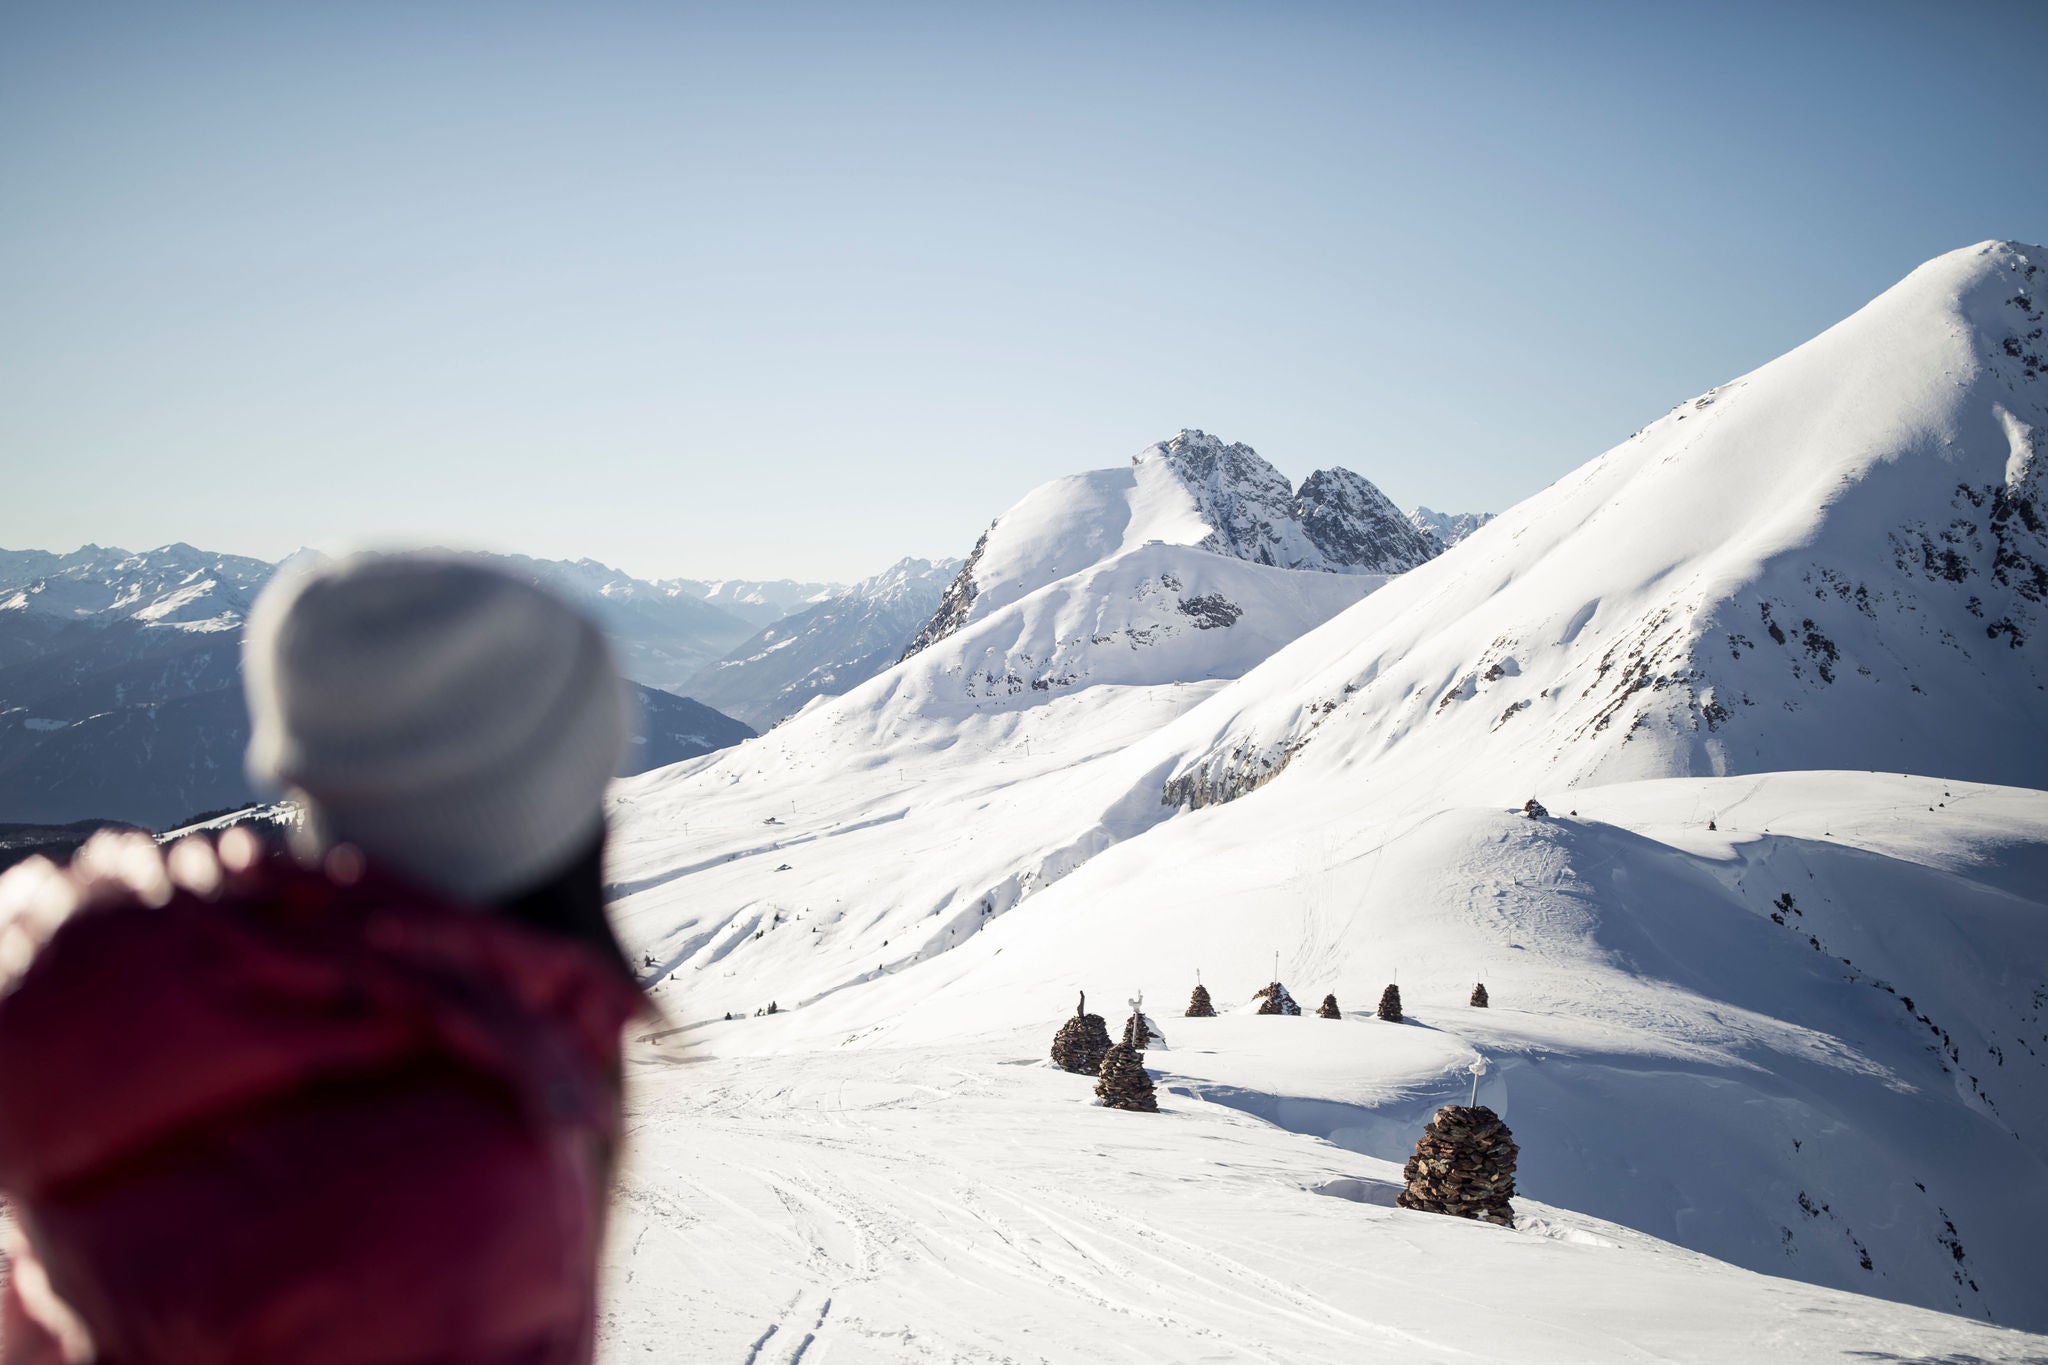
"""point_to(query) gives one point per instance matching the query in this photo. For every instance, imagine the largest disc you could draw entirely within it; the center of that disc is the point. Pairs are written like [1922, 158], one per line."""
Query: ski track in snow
[796, 1209]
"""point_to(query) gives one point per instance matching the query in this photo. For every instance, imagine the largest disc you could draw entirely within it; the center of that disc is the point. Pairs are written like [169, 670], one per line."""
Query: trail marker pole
[1478, 1069]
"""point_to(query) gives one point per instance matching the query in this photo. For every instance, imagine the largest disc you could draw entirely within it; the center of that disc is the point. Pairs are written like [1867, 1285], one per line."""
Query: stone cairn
[1478, 1001]
[1274, 999]
[1328, 1009]
[1081, 1041]
[1140, 1030]
[1464, 1166]
[1390, 1004]
[1534, 810]
[1123, 1083]
[1199, 1004]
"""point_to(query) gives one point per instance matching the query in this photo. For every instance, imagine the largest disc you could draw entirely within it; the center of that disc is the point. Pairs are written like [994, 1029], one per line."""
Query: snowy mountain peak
[1193, 489]
[1354, 524]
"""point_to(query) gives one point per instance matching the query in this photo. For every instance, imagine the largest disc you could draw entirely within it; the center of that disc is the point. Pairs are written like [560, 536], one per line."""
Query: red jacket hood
[132, 1020]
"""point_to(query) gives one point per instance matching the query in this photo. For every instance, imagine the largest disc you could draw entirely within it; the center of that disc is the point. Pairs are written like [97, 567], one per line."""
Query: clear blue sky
[794, 290]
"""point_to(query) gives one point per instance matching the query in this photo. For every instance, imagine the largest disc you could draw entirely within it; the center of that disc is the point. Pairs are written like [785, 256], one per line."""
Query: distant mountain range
[120, 676]
[120, 692]
[828, 648]
[1447, 528]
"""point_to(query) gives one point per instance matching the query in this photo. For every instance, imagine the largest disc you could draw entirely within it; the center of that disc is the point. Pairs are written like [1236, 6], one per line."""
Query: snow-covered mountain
[176, 586]
[825, 649]
[1447, 528]
[120, 682]
[1191, 490]
[757, 602]
[1839, 560]
[1753, 991]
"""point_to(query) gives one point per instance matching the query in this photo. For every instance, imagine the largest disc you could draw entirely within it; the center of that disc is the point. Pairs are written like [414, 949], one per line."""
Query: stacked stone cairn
[1464, 1166]
[1478, 1001]
[1140, 1030]
[1274, 999]
[1081, 1042]
[1124, 1083]
[1328, 1009]
[1199, 1004]
[1390, 1004]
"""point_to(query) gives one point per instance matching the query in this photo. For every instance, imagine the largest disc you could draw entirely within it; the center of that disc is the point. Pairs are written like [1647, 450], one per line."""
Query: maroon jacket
[297, 1120]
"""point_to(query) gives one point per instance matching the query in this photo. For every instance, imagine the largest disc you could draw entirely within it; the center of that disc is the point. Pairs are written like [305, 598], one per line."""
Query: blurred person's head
[456, 724]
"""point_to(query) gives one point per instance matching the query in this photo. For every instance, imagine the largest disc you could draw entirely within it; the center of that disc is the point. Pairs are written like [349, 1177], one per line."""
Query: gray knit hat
[454, 722]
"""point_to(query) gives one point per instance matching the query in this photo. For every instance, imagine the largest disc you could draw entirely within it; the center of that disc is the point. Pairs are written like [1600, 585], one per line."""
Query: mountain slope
[1835, 561]
[827, 648]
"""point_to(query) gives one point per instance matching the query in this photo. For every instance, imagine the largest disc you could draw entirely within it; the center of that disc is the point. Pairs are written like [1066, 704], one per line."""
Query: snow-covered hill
[1191, 490]
[825, 649]
[1447, 528]
[1792, 1019]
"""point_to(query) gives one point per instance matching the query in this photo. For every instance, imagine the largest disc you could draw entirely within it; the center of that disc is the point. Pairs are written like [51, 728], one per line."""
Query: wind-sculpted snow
[1835, 561]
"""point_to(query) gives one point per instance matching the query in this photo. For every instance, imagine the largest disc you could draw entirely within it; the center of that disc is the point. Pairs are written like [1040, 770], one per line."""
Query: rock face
[826, 648]
[1464, 1166]
[1357, 526]
[954, 604]
[1193, 489]
[1390, 1004]
[1082, 1041]
[1274, 999]
[1124, 1083]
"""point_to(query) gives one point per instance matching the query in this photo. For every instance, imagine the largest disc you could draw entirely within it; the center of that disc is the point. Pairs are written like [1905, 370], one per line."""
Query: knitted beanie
[457, 724]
